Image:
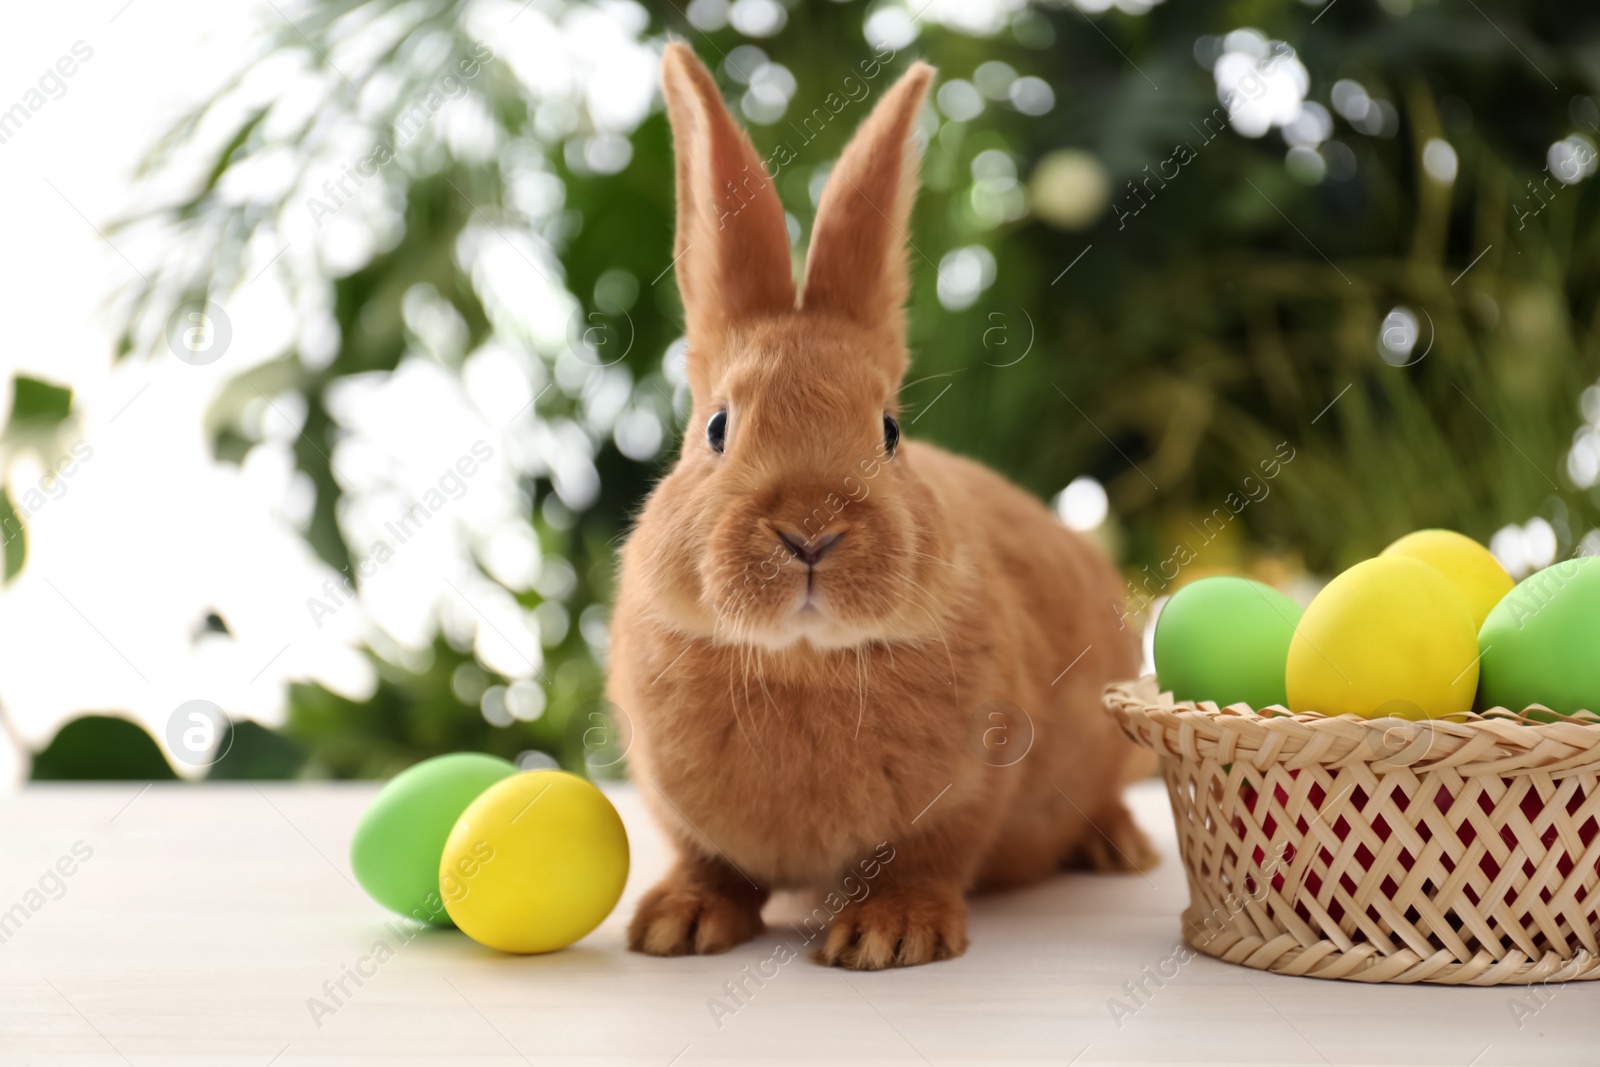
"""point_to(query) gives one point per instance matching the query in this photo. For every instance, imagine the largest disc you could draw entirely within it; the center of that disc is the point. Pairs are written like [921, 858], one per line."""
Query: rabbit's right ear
[732, 246]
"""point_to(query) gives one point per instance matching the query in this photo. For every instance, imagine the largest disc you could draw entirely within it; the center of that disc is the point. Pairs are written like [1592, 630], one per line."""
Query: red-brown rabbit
[813, 615]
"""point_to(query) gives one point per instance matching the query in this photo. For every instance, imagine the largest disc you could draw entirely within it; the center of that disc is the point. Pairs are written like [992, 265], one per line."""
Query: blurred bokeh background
[350, 340]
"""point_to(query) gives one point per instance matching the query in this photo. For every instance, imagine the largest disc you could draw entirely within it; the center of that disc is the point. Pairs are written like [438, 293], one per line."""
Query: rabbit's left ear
[856, 268]
[732, 247]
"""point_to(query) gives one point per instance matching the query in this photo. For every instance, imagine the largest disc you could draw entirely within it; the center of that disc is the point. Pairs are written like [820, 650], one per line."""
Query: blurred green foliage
[97, 747]
[36, 403]
[1183, 344]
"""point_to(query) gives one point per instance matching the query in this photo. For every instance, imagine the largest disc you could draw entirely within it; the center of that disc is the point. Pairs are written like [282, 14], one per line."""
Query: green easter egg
[397, 845]
[1541, 643]
[1226, 640]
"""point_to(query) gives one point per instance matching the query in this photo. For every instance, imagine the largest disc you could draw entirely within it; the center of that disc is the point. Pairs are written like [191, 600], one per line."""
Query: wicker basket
[1458, 852]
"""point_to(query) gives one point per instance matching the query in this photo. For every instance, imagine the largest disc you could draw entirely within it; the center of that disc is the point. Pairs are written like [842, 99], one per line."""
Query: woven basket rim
[1494, 742]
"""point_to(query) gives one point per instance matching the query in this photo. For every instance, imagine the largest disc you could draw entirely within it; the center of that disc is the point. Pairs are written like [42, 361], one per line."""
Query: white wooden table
[207, 917]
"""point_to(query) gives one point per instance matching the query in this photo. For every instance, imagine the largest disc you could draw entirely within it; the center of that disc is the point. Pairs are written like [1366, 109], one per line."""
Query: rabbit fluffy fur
[798, 701]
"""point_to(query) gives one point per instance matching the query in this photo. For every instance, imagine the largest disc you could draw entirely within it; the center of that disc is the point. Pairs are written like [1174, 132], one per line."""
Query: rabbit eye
[891, 433]
[717, 431]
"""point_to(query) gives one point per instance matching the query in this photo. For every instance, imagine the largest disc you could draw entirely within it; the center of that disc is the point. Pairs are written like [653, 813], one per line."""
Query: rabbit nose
[809, 552]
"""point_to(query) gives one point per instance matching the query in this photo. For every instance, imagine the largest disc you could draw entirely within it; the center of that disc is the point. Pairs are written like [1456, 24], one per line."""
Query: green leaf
[15, 534]
[38, 403]
[100, 747]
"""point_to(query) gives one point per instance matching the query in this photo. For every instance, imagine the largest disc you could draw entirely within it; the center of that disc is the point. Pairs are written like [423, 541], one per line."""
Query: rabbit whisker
[861, 671]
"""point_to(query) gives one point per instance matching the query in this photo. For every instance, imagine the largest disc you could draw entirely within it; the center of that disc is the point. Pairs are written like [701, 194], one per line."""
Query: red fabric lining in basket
[1530, 806]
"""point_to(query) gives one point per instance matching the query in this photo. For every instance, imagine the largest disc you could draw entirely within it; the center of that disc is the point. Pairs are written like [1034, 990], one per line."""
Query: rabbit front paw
[683, 916]
[898, 927]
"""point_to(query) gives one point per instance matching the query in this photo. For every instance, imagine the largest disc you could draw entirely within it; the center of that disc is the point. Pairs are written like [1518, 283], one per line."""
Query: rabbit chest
[795, 775]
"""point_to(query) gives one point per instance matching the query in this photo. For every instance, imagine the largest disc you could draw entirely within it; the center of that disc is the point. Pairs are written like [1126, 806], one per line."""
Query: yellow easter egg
[535, 863]
[1471, 568]
[1391, 636]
